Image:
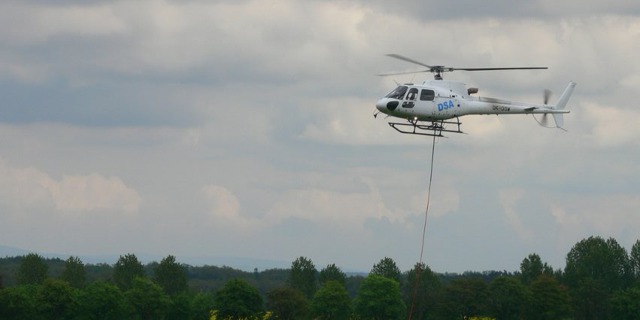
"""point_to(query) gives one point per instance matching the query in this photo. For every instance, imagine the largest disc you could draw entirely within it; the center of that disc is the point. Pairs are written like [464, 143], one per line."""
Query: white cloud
[30, 188]
[509, 199]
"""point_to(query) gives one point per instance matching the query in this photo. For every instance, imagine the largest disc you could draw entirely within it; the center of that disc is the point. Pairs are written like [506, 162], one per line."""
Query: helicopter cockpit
[397, 93]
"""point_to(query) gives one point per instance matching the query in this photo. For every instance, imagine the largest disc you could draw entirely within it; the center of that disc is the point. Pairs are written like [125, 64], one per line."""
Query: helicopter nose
[381, 105]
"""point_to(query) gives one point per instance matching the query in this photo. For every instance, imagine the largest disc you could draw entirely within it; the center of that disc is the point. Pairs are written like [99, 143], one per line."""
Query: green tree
[238, 300]
[303, 276]
[464, 297]
[146, 299]
[202, 304]
[597, 259]
[56, 299]
[549, 300]
[126, 270]
[19, 302]
[287, 303]
[634, 256]
[331, 301]
[421, 292]
[532, 267]
[596, 268]
[507, 298]
[101, 301]
[388, 269]
[32, 269]
[74, 272]
[171, 276]
[332, 273]
[379, 298]
[625, 304]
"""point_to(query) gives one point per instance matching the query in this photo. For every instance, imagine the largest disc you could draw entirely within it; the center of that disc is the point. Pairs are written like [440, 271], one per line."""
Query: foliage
[238, 300]
[146, 299]
[532, 267]
[508, 298]
[625, 304]
[56, 299]
[18, 302]
[549, 299]
[332, 273]
[600, 260]
[287, 303]
[171, 276]
[388, 269]
[331, 301]
[464, 297]
[421, 292]
[126, 270]
[32, 270]
[379, 298]
[101, 301]
[634, 257]
[74, 272]
[303, 276]
[201, 306]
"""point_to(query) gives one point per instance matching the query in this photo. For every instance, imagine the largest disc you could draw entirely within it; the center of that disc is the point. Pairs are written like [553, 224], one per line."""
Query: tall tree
[171, 276]
[19, 302]
[303, 276]
[549, 300]
[56, 299]
[101, 300]
[287, 303]
[532, 267]
[464, 297]
[332, 273]
[387, 268]
[634, 256]
[507, 298]
[597, 259]
[146, 299]
[238, 300]
[625, 304]
[421, 291]
[74, 272]
[32, 269]
[331, 301]
[201, 306]
[126, 270]
[379, 298]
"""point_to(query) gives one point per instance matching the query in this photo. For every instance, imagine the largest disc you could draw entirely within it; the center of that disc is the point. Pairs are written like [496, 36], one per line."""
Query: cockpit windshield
[397, 93]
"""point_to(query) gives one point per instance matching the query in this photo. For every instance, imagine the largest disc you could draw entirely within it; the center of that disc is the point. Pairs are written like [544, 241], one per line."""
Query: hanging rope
[424, 232]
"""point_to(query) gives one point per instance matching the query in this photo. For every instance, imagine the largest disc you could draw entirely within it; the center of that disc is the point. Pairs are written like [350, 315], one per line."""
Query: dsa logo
[445, 105]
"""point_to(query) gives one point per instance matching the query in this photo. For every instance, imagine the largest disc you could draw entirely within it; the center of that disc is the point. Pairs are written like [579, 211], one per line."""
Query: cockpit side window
[397, 93]
[413, 94]
[427, 95]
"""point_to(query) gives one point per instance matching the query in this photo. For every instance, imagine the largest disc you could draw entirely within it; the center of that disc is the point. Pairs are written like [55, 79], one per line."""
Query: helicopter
[435, 106]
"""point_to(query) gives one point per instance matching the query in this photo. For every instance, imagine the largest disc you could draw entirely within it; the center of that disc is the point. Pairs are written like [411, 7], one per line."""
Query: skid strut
[435, 128]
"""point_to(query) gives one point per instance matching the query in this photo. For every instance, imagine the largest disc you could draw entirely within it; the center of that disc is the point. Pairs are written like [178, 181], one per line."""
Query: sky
[244, 129]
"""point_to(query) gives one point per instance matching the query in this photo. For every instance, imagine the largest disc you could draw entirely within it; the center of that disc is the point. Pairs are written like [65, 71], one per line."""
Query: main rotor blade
[490, 69]
[397, 56]
[400, 73]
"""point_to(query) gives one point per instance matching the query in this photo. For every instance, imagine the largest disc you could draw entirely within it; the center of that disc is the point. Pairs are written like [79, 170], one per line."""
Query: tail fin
[558, 117]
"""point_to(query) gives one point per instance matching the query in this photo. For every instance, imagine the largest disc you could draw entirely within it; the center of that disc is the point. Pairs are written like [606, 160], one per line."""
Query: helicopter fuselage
[436, 100]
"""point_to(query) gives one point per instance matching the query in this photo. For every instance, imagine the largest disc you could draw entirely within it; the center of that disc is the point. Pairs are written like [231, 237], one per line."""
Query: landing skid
[435, 129]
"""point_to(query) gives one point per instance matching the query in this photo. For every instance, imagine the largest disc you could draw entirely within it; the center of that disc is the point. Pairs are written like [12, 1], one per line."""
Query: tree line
[600, 280]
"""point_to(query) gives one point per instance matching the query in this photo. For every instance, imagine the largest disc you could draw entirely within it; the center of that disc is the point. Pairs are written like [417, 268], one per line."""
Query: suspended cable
[424, 231]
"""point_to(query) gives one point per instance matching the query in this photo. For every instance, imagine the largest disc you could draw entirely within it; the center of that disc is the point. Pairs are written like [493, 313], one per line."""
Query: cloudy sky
[245, 129]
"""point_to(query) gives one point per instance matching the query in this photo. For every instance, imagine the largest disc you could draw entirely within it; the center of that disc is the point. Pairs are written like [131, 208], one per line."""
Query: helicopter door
[411, 98]
[446, 106]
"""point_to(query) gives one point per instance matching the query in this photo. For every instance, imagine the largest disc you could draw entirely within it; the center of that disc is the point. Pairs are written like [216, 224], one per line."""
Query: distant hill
[240, 263]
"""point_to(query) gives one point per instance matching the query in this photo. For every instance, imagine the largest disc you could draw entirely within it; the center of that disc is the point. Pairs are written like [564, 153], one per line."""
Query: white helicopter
[429, 107]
